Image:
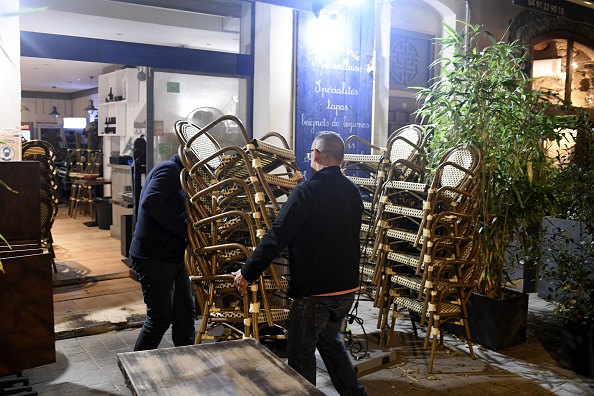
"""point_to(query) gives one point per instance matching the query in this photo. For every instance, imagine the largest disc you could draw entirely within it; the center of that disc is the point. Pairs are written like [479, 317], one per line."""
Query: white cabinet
[121, 86]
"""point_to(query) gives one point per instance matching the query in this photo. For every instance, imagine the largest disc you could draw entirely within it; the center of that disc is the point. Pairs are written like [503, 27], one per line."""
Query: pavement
[87, 364]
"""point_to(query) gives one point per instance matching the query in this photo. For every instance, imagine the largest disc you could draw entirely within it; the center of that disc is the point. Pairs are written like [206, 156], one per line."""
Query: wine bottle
[110, 96]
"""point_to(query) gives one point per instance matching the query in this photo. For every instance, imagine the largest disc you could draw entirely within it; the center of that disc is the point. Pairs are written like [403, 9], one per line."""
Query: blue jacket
[320, 223]
[161, 227]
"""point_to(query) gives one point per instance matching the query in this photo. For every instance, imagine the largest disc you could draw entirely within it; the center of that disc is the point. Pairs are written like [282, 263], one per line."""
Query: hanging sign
[334, 77]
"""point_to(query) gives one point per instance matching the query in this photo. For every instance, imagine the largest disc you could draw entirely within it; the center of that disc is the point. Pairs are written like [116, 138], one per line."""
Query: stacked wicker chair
[233, 194]
[403, 159]
[43, 152]
[425, 250]
[418, 232]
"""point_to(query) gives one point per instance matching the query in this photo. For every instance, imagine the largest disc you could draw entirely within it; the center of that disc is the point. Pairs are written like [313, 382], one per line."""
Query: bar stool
[74, 192]
[84, 198]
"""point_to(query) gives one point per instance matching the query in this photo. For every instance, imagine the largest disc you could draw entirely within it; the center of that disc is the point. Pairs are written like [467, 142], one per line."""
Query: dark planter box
[577, 349]
[574, 229]
[496, 324]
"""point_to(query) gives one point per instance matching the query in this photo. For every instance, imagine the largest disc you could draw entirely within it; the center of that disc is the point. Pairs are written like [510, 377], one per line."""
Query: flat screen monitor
[75, 122]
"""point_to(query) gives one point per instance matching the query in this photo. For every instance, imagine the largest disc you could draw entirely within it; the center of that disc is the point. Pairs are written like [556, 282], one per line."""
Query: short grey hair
[331, 145]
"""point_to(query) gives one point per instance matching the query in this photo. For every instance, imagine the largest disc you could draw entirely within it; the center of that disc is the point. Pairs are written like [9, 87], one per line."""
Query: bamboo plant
[568, 263]
[483, 97]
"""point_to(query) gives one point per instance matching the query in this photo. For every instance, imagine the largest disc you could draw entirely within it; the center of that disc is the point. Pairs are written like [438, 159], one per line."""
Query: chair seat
[404, 210]
[363, 181]
[414, 305]
[278, 315]
[402, 235]
[408, 259]
[403, 185]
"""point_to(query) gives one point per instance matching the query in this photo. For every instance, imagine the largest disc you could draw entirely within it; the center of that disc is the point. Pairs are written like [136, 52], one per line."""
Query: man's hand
[239, 282]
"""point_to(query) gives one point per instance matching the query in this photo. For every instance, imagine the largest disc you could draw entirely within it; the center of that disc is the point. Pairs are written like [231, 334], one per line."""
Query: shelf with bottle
[118, 87]
[117, 90]
[112, 121]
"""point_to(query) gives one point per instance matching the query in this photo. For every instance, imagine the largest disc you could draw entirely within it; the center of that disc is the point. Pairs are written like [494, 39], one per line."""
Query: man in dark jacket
[320, 223]
[157, 253]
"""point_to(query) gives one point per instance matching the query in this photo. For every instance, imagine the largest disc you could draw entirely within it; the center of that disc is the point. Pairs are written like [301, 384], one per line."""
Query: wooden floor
[84, 253]
[92, 287]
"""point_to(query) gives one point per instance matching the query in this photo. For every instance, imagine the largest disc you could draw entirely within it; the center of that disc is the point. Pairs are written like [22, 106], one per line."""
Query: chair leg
[73, 196]
[435, 333]
[468, 340]
[50, 248]
[77, 200]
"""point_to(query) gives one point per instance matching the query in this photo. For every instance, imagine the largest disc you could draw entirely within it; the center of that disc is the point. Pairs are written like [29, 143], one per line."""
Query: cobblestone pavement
[88, 365]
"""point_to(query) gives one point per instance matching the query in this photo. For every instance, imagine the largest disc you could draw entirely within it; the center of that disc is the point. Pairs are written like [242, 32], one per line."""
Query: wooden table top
[91, 182]
[241, 367]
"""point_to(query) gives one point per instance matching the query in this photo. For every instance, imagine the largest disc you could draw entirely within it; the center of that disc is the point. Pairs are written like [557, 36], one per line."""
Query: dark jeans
[169, 301]
[315, 322]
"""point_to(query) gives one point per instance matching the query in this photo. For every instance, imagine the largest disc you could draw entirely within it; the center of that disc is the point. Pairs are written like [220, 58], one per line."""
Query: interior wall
[39, 108]
[273, 71]
[10, 78]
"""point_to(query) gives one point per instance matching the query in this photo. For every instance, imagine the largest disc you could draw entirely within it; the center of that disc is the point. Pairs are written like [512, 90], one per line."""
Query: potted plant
[483, 96]
[568, 258]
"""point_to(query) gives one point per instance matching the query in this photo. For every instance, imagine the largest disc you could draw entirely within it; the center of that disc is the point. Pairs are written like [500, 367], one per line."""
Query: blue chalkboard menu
[334, 78]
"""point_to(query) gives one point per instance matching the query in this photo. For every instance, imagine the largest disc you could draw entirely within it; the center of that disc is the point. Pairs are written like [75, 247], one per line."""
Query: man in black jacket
[157, 253]
[320, 223]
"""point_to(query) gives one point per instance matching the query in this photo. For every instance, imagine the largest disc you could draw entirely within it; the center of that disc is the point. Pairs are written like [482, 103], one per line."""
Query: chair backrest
[37, 147]
[49, 211]
[199, 142]
[406, 143]
[458, 168]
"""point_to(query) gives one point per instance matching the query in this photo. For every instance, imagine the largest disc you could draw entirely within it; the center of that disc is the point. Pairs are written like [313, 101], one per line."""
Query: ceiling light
[54, 112]
[90, 107]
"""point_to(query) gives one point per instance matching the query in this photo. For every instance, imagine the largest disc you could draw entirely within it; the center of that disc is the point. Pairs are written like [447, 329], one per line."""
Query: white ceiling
[114, 20]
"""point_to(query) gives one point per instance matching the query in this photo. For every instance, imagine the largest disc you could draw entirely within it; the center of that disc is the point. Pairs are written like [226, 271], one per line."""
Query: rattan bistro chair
[229, 212]
[43, 152]
[49, 211]
[412, 216]
[444, 302]
[403, 159]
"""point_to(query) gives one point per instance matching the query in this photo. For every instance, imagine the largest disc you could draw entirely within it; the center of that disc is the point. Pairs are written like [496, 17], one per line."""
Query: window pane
[200, 99]
[549, 66]
[582, 80]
